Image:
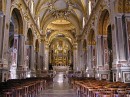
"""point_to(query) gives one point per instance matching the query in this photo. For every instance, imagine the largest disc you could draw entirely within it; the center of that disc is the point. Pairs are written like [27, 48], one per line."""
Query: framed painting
[126, 77]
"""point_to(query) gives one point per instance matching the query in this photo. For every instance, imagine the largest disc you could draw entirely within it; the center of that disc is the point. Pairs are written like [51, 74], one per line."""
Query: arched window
[90, 6]
[83, 22]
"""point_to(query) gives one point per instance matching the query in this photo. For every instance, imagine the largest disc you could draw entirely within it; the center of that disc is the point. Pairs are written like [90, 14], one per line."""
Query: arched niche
[15, 43]
[103, 22]
[16, 19]
[29, 37]
[16, 26]
[92, 47]
[29, 48]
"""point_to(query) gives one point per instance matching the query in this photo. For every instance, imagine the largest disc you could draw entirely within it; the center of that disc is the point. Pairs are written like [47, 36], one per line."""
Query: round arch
[50, 18]
[29, 37]
[66, 33]
[103, 22]
[17, 20]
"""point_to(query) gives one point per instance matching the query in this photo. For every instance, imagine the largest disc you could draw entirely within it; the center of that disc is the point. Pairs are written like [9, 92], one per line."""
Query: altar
[61, 68]
[60, 74]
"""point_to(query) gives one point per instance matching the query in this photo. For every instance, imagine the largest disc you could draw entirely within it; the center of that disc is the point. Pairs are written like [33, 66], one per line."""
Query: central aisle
[59, 88]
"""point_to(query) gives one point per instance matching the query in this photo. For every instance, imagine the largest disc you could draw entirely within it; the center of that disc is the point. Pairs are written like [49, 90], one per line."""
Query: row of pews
[29, 87]
[90, 87]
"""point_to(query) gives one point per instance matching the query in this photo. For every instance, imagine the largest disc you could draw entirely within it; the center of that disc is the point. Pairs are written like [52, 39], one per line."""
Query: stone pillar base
[103, 74]
[121, 74]
[90, 73]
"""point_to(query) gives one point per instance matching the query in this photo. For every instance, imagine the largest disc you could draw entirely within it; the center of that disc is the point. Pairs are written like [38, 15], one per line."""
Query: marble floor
[59, 88]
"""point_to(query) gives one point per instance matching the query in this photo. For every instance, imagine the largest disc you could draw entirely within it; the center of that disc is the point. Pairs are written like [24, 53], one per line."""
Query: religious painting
[126, 76]
[128, 32]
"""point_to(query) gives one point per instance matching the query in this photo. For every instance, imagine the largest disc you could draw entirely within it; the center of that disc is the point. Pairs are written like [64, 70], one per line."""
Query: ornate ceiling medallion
[61, 14]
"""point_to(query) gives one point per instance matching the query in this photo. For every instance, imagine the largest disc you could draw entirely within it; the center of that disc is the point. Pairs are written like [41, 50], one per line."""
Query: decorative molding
[61, 14]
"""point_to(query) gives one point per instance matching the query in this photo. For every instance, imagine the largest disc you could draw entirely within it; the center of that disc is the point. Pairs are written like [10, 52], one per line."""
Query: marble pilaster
[46, 54]
[75, 59]
[121, 39]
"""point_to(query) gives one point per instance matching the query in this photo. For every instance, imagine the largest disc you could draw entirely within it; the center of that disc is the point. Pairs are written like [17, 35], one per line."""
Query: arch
[29, 37]
[37, 45]
[66, 33]
[103, 22]
[16, 19]
[49, 19]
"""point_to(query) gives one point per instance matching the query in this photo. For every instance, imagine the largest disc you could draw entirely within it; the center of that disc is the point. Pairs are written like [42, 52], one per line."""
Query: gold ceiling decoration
[61, 21]
[60, 17]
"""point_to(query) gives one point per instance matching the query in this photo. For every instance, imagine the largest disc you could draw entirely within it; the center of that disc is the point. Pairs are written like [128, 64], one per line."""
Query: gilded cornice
[29, 16]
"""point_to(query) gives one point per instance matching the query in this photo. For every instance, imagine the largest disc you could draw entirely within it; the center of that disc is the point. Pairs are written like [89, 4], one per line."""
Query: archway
[103, 24]
[29, 49]
[92, 51]
[15, 44]
[106, 43]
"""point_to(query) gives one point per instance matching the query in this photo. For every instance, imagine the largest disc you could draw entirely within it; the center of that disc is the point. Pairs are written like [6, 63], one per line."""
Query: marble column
[99, 52]
[80, 55]
[75, 59]
[5, 32]
[41, 52]
[2, 18]
[32, 60]
[46, 54]
[14, 66]
[121, 39]
[89, 57]
[21, 50]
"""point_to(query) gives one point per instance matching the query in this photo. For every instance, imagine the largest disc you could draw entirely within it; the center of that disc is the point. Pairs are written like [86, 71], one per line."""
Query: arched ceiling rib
[63, 17]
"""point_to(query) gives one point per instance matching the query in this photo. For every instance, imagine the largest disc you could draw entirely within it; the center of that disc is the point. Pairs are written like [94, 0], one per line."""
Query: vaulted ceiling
[61, 18]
